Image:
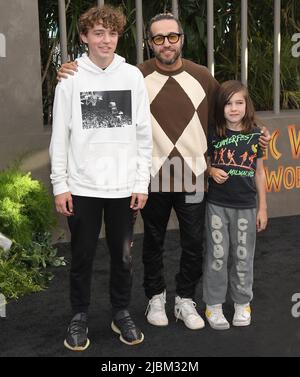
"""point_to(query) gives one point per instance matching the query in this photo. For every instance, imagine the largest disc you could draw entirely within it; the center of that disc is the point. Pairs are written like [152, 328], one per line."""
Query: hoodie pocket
[108, 165]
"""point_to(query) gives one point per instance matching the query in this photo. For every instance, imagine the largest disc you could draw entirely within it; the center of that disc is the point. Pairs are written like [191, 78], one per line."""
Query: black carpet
[36, 324]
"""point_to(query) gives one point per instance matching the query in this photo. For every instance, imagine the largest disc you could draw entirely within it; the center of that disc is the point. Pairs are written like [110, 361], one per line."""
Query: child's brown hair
[225, 92]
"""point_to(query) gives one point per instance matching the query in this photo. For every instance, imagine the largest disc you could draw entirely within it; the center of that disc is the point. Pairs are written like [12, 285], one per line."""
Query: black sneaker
[76, 339]
[123, 324]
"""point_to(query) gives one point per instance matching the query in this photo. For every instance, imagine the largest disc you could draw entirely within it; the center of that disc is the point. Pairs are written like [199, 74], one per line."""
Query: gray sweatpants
[229, 232]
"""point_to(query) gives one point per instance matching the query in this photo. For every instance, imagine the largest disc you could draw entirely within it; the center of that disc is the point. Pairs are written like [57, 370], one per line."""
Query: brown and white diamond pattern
[186, 134]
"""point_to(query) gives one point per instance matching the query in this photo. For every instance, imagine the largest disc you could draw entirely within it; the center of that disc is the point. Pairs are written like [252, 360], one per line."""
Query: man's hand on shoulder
[265, 138]
[66, 69]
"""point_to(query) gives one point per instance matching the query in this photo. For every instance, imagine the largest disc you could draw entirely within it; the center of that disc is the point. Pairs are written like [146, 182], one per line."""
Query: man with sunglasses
[182, 96]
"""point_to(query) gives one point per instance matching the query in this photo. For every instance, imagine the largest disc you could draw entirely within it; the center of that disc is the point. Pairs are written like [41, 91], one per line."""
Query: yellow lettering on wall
[289, 178]
[297, 176]
[284, 178]
[274, 179]
[273, 145]
[295, 141]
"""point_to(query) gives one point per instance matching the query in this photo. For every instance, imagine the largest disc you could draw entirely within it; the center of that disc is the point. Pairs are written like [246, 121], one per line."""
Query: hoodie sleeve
[144, 139]
[60, 137]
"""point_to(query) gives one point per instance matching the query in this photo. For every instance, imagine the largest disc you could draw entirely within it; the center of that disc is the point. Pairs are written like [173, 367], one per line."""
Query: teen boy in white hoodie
[101, 150]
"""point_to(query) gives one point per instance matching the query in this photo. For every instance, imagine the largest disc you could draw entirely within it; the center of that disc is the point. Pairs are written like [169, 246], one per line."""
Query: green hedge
[26, 217]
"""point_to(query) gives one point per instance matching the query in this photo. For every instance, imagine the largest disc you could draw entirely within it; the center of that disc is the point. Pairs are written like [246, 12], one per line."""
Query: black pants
[156, 215]
[85, 227]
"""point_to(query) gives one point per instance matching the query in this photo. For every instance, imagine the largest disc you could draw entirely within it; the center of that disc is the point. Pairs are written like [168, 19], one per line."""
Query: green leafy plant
[26, 217]
[16, 280]
[25, 207]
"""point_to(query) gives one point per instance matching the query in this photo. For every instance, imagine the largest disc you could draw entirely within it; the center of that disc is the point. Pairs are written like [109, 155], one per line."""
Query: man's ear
[150, 44]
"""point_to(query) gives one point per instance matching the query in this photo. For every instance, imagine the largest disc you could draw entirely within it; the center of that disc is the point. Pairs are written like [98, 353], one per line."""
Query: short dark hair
[160, 17]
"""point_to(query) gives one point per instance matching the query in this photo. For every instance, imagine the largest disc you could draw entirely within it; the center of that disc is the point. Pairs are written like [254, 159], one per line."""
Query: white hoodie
[101, 143]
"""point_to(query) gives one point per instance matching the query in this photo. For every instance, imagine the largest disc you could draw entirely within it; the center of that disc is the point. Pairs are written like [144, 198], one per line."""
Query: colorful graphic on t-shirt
[236, 154]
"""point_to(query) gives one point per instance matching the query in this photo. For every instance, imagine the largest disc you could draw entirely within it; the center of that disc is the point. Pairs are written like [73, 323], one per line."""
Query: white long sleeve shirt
[101, 143]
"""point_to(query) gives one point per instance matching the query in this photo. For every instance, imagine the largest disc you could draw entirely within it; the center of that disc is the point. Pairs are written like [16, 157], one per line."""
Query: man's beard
[168, 61]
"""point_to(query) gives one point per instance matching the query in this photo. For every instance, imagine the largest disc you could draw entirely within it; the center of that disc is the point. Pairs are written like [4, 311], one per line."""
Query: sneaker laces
[242, 310]
[217, 312]
[188, 305]
[77, 326]
[126, 323]
[157, 302]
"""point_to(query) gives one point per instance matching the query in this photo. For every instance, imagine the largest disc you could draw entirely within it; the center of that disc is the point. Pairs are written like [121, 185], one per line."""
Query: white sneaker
[185, 310]
[156, 310]
[242, 315]
[214, 315]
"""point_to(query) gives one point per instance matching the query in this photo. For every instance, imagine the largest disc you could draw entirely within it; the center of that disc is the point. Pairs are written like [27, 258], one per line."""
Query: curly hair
[111, 18]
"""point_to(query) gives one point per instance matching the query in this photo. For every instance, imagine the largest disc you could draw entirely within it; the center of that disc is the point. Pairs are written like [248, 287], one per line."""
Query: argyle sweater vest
[182, 106]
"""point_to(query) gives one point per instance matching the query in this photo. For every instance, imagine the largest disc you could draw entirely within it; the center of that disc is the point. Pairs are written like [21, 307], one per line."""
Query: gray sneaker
[123, 325]
[76, 339]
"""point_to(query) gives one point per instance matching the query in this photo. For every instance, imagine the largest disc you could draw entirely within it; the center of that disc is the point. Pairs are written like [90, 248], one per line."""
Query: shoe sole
[157, 324]
[77, 349]
[117, 331]
[211, 324]
[191, 328]
[241, 324]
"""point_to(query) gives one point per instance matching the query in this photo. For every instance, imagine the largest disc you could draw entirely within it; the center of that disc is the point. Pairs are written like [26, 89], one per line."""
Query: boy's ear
[83, 38]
